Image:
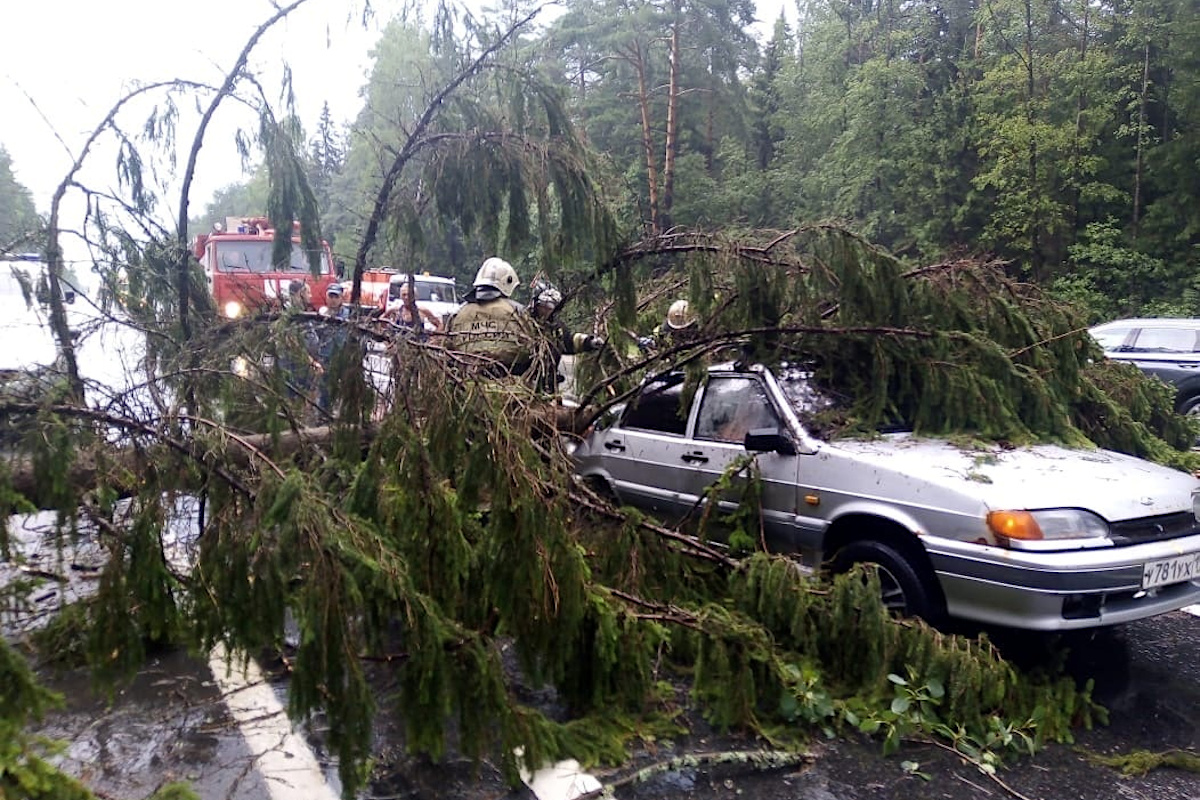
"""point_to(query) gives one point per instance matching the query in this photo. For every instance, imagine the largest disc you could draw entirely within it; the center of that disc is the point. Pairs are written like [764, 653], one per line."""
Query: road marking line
[287, 764]
[1193, 610]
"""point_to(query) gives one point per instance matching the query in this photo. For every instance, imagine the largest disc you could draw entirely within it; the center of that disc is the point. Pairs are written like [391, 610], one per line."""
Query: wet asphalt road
[173, 723]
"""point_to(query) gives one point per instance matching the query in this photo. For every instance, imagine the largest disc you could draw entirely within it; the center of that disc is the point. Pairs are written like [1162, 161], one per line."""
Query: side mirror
[340, 267]
[769, 440]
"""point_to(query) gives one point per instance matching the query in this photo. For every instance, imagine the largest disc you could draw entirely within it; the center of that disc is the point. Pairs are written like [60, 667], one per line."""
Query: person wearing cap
[493, 325]
[335, 306]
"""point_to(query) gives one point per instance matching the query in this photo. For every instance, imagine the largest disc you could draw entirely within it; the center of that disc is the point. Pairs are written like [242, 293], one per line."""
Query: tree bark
[672, 139]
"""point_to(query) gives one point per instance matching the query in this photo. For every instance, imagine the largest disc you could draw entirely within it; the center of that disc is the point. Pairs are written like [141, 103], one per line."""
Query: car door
[729, 407]
[643, 452]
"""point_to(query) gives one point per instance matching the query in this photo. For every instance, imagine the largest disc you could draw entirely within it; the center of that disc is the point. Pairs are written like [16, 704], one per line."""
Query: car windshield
[256, 257]
[821, 411]
[429, 291]
[1110, 339]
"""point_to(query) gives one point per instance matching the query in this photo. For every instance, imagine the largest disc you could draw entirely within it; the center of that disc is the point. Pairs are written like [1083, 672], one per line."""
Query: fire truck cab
[236, 258]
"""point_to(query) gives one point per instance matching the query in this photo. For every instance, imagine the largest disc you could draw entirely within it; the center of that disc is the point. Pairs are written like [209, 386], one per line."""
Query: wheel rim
[891, 592]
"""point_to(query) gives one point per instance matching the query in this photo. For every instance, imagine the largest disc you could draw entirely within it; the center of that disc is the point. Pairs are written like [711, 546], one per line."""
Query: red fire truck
[236, 257]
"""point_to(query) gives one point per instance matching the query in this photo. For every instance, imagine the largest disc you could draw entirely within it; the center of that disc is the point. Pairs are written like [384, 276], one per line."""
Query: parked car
[1168, 348]
[1041, 537]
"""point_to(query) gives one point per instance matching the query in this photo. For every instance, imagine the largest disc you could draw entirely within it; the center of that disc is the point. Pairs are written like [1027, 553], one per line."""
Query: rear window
[428, 291]
[1165, 340]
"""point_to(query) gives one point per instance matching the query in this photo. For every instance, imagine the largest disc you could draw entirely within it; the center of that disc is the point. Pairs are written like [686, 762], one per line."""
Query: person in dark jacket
[561, 342]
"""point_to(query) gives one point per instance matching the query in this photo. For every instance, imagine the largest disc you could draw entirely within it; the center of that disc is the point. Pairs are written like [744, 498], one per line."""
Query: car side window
[732, 407]
[1111, 339]
[658, 408]
[1165, 340]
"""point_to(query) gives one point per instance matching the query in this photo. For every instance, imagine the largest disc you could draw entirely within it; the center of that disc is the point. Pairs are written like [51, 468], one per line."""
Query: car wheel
[602, 489]
[1190, 406]
[907, 590]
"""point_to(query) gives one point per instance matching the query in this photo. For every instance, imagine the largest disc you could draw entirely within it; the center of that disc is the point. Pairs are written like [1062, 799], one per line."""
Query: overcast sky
[64, 63]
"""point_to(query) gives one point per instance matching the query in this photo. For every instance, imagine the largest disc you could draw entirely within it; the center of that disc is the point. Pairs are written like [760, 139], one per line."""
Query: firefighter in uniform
[491, 324]
[678, 328]
[559, 341]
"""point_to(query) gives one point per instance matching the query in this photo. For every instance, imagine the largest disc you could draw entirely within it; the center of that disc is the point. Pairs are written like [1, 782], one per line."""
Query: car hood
[442, 310]
[1115, 486]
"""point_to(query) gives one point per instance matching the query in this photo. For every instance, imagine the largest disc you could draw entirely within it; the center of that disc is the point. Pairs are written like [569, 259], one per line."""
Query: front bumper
[1057, 590]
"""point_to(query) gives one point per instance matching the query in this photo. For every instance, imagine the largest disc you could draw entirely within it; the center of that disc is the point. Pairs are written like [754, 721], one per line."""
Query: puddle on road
[172, 722]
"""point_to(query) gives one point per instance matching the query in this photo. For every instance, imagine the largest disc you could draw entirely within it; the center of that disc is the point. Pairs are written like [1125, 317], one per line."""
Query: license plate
[1171, 570]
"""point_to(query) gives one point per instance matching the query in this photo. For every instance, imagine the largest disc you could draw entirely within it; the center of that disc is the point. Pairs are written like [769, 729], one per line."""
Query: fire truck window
[233, 259]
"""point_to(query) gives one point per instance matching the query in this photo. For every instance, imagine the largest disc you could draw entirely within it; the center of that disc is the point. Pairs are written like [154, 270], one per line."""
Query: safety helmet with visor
[545, 295]
[498, 274]
[679, 315]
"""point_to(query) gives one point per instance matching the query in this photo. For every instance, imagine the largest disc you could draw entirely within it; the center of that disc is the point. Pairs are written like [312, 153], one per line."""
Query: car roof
[402, 277]
[1150, 322]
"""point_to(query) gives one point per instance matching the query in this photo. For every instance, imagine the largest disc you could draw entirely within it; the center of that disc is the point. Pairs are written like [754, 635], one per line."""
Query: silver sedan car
[1041, 537]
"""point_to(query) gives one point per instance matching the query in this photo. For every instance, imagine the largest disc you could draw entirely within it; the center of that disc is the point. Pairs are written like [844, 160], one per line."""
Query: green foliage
[26, 769]
[19, 221]
[174, 791]
[1140, 762]
[442, 538]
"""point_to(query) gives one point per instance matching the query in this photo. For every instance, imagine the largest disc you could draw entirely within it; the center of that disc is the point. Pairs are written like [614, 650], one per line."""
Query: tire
[603, 489]
[1190, 406]
[908, 589]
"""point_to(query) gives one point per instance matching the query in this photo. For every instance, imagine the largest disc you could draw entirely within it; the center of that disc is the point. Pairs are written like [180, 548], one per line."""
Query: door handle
[696, 457]
[615, 444]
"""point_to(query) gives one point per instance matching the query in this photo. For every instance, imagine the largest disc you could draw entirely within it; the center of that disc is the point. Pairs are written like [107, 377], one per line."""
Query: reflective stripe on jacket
[499, 329]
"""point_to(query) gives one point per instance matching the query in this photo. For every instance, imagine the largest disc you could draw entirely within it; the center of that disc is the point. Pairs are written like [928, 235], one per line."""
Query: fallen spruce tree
[435, 523]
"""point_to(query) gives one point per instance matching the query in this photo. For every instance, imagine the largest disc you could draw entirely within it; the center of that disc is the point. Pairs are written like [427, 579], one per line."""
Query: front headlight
[1043, 529]
[233, 309]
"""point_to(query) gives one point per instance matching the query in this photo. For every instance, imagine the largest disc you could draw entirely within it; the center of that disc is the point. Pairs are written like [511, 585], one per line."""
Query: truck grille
[1153, 529]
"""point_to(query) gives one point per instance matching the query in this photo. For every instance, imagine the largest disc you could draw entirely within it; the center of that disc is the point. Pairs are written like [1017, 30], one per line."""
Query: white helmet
[499, 274]
[544, 294]
[679, 315]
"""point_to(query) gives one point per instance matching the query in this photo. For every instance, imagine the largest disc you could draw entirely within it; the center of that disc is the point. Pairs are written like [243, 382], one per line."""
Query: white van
[434, 292]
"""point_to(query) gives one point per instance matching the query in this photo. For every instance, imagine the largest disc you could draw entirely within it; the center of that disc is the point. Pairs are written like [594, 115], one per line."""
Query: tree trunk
[672, 140]
[1035, 221]
[1139, 164]
[638, 59]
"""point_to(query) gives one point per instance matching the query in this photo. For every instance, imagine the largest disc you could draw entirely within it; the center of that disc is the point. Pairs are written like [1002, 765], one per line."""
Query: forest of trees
[915, 187]
[1062, 137]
